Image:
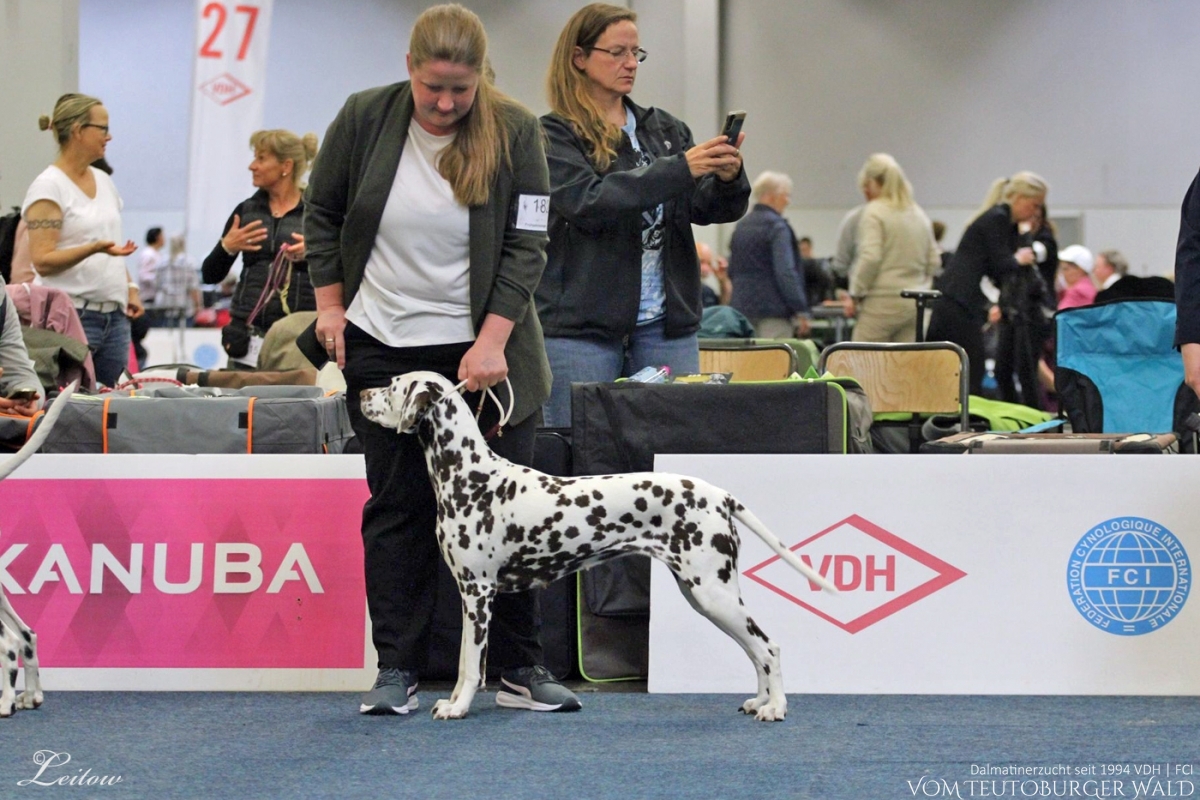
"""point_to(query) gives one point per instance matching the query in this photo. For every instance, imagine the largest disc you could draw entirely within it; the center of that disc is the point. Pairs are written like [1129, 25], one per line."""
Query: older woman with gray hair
[896, 251]
[768, 286]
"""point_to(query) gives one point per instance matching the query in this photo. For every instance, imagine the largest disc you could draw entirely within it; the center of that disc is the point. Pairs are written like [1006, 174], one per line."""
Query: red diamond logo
[877, 572]
[225, 89]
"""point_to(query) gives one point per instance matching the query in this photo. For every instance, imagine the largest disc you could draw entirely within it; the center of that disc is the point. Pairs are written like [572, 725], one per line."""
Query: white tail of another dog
[39, 436]
[755, 524]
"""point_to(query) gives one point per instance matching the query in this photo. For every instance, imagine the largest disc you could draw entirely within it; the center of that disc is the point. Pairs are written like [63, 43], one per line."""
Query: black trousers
[400, 551]
[1017, 353]
[952, 322]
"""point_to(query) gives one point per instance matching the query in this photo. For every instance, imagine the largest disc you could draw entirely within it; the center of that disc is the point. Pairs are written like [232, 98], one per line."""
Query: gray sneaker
[534, 689]
[394, 692]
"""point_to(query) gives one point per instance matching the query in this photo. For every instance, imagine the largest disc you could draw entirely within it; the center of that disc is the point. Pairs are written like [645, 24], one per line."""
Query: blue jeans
[109, 340]
[594, 360]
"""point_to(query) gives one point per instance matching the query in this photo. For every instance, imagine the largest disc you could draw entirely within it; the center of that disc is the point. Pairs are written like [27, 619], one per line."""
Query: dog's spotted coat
[506, 528]
[17, 640]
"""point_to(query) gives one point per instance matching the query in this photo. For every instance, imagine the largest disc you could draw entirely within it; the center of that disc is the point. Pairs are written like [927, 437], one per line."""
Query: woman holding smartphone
[621, 289]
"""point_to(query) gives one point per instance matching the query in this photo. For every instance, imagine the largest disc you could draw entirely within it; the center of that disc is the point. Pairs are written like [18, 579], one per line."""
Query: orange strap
[104, 426]
[33, 423]
[250, 425]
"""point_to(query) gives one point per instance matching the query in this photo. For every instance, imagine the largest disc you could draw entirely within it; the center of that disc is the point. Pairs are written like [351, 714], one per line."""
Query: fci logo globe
[1129, 576]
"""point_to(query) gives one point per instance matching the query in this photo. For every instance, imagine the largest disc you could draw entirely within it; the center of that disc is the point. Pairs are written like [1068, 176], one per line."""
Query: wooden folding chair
[765, 361]
[917, 378]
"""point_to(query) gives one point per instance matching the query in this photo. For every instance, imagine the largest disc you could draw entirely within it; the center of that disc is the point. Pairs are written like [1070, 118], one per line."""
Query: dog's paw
[444, 709]
[771, 713]
[752, 705]
[27, 701]
[7, 709]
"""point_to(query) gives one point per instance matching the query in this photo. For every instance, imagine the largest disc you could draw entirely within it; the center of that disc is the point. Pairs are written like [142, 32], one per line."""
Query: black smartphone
[733, 126]
[307, 343]
[23, 395]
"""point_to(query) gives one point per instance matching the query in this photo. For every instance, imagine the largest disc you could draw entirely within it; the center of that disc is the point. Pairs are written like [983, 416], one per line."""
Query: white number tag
[533, 212]
[256, 345]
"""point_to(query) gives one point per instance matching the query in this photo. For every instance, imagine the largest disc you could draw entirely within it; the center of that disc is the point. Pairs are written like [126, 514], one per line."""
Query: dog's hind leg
[23, 643]
[472, 656]
[721, 602]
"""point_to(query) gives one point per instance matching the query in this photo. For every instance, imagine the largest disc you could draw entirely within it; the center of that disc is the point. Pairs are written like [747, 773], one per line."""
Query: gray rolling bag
[193, 419]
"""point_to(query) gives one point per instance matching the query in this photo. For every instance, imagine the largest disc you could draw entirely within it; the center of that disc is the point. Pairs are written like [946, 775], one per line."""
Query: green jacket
[349, 187]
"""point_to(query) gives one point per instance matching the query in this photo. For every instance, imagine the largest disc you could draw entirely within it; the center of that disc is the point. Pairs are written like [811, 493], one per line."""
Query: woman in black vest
[270, 221]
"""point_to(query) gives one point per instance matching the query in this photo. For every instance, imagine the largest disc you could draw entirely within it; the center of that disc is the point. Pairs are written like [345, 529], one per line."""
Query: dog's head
[402, 404]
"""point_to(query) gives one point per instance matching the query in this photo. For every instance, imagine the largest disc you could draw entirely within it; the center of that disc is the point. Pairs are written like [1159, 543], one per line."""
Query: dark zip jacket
[988, 247]
[256, 265]
[592, 283]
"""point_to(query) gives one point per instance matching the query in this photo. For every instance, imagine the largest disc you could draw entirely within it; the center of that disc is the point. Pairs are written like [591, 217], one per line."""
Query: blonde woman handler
[421, 263]
[73, 212]
[990, 246]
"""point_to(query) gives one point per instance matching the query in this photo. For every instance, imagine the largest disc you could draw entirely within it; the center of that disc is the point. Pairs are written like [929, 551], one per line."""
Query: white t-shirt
[98, 277]
[150, 259]
[415, 288]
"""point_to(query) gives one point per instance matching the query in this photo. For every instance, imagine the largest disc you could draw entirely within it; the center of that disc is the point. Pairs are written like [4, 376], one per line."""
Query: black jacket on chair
[1153, 287]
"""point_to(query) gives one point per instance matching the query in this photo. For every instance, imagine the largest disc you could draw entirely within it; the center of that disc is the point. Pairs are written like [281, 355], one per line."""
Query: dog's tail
[39, 436]
[743, 515]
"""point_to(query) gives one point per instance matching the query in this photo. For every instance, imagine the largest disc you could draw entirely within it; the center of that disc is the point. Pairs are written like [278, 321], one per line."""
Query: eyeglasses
[622, 53]
[94, 125]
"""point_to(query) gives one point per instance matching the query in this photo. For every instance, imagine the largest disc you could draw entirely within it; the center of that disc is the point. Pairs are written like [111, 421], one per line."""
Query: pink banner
[188, 572]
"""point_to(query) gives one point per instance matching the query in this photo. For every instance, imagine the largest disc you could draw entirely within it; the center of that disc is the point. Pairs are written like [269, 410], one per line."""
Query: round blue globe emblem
[1129, 576]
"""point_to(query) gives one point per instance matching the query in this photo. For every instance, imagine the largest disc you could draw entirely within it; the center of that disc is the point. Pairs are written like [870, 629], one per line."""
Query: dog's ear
[434, 392]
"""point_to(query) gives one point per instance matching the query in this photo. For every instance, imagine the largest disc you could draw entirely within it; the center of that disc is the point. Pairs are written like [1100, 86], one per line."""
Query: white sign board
[971, 575]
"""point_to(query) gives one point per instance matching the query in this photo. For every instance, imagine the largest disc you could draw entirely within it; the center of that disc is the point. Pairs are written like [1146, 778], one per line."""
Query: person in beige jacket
[896, 251]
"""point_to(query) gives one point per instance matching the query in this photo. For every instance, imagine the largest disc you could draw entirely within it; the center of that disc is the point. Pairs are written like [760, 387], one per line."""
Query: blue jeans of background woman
[588, 359]
[109, 340]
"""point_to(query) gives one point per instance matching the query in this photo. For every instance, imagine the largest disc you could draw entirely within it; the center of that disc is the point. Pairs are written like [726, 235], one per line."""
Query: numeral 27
[207, 50]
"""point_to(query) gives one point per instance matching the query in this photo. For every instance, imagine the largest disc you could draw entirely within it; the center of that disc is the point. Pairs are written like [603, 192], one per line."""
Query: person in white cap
[1075, 267]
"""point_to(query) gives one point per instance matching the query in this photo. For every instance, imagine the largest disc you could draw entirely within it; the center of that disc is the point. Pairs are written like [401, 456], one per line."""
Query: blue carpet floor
[622, 745]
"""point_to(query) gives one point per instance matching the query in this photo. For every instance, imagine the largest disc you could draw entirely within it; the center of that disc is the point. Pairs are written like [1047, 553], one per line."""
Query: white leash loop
[505, 412]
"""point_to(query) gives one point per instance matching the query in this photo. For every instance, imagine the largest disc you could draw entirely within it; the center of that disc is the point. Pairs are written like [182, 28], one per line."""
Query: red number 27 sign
[245, 15]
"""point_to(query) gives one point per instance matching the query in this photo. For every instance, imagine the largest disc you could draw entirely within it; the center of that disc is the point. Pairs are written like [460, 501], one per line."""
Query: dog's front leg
[464, 650]
[25, 644]
[477, 610]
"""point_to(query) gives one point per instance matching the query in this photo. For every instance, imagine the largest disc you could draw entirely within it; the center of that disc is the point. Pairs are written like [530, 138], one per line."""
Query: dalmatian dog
[506, 528]
[17, 638]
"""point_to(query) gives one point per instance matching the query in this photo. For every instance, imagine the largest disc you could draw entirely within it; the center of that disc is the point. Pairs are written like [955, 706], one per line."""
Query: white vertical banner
[229, 83]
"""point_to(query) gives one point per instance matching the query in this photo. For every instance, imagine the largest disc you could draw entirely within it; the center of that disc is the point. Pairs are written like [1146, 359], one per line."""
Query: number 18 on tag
[533, 212]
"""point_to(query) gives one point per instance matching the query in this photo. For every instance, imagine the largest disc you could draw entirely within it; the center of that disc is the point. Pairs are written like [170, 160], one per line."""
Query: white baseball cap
[1078, 255]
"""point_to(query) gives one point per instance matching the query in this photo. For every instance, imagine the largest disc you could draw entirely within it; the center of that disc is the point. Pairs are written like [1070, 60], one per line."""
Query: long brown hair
[452, 33]
[567, 86]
